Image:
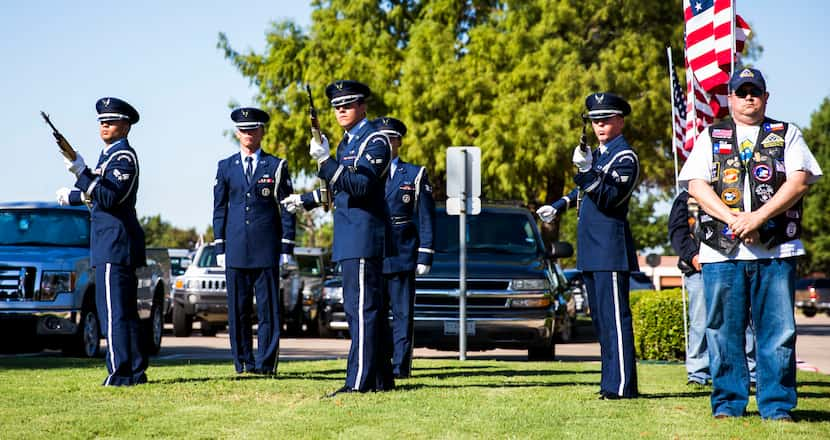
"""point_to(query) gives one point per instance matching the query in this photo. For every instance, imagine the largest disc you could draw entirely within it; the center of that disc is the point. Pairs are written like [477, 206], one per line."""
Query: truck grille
[213, 285]
[429, 301]
[426, 284]
[17, 283]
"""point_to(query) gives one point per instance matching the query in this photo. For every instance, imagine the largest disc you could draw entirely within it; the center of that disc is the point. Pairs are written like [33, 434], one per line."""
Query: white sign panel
[463, 171]
[454, 206]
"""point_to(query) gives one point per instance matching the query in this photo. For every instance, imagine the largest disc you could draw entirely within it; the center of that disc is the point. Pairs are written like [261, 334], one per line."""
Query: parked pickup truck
[47, 288]
[517, 295]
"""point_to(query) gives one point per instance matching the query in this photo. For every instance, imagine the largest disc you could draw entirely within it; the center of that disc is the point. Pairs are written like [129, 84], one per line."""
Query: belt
[400, 220]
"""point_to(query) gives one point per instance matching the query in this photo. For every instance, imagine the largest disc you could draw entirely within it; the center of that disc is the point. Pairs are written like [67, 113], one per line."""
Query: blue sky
[162, 58]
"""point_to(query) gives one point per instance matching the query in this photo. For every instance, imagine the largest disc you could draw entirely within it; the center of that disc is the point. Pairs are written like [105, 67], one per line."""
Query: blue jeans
[766, 287]
[697, 356]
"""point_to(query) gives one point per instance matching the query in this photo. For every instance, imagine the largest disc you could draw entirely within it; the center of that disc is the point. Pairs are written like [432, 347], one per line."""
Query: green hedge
[658, 324]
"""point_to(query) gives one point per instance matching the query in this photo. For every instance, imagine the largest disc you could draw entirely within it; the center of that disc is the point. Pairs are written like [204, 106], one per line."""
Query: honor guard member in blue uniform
[356, 177]
[606, 178]
[412, 217]
[117, 242]
[251, 229]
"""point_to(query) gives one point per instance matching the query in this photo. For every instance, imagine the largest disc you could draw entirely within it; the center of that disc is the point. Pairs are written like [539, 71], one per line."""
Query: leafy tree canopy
[507, 76]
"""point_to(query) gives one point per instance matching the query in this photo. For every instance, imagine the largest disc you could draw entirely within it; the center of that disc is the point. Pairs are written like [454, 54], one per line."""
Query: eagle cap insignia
[746, 73]
[107, 102]
[339, 85]
[599, 98]
[385, 121]
[245, 113]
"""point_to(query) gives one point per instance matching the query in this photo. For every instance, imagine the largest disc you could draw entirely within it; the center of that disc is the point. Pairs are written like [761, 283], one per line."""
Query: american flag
[679, 126]
[709, 41]
[701, 109]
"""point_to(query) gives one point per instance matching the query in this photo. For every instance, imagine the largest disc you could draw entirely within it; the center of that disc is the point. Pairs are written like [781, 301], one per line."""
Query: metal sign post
[463, 190]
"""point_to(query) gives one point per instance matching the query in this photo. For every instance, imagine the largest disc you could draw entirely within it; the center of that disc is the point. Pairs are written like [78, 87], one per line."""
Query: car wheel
[87, 340]
[154, 328]
[323, 330]
[209, 330]
[182, 322]
[546, 352]
[809, 312]
[565, 328]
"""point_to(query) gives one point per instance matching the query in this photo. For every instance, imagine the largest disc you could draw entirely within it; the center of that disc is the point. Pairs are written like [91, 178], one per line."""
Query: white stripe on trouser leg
[109, 321]
[620, 353]
[360, 324]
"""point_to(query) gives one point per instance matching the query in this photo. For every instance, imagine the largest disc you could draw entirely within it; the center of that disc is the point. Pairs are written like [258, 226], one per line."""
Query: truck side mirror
[561, 249]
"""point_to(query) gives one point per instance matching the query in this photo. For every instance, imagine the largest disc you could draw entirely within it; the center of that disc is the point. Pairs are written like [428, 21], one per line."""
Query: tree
[158, 233]
[816, 235]
[507, 76]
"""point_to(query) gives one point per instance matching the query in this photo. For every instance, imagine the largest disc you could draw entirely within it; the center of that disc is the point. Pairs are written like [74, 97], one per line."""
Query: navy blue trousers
[243, 285]
[401, 289]
[116, 291]
[367, 311]
[611, 316]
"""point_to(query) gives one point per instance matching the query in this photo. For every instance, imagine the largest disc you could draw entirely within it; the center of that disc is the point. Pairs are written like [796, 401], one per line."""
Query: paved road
[811, 347]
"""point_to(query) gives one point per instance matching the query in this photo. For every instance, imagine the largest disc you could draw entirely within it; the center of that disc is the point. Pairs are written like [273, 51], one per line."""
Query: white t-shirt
[797, 157]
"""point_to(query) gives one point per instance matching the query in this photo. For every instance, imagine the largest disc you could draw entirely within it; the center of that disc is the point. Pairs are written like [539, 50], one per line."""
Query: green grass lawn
[62, 398]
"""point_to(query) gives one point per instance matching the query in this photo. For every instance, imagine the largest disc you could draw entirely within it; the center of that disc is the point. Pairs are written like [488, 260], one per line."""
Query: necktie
[249, 169]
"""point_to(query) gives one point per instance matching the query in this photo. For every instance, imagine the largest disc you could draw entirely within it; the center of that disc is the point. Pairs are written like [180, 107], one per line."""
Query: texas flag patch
[723, 148]
[778, 126]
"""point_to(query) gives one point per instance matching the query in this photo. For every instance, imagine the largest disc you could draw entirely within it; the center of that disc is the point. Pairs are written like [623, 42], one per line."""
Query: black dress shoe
[342, 390]
[604, 395]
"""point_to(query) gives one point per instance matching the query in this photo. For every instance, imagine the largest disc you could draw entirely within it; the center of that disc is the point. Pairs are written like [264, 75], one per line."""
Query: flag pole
[673, 116]
[733, 39]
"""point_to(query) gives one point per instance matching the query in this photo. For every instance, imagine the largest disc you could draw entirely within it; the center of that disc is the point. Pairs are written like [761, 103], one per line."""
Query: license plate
[451, 328]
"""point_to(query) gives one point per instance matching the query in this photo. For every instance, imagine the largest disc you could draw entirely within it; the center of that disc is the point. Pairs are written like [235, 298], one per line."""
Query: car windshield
[309, 264]
[495, 232]
[178, 265]
[44, 227]
[207, 258]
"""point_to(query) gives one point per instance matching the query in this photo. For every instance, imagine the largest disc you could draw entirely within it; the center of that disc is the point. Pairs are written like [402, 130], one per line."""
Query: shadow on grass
[499, 372]
[532, 384]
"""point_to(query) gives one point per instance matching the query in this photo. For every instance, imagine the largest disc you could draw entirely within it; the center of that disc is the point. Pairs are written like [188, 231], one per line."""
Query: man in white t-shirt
[749, 175]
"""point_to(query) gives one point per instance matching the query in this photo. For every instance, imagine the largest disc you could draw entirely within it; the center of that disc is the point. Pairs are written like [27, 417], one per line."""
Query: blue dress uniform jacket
[356, 180]
[117, 236]
[604, 240]
[116, 249]
[251, 213]
[412, 218]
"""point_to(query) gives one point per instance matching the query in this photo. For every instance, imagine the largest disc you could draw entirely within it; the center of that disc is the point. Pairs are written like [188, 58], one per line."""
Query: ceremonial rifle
[315, 133]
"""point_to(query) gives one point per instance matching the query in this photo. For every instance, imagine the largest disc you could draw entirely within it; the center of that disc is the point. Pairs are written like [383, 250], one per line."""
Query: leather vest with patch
[766, 175]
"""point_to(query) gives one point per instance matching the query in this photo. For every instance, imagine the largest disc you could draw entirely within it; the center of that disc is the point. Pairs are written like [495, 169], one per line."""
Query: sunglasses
[346, 106]
[754, 92]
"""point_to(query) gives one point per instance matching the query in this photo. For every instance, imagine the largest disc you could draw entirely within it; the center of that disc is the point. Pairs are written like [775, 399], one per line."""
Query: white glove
[547, 213]
[319, 151]
[63, 196]
[422, 269]
[220, 260]
[292, 203]
[582, 159]
[77, 166]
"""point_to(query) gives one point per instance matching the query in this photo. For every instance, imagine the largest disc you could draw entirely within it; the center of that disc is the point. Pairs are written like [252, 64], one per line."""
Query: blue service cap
[246, 118]
[747, 76]
[604, 105]
[390, 126]
[346, 91]
[114, 109]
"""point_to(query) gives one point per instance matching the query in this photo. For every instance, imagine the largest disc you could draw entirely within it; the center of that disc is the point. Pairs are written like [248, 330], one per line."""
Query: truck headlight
[54, 282]
[529, 303]
[530, 284]
[333, 293]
